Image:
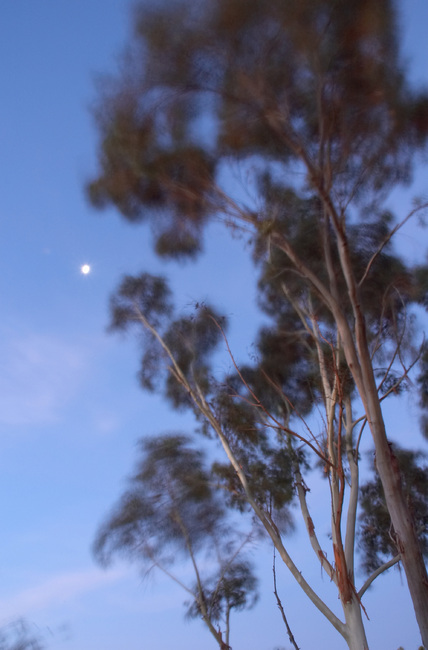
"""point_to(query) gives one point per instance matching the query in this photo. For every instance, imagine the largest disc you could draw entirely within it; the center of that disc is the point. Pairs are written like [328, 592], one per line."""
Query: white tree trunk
[355, 628]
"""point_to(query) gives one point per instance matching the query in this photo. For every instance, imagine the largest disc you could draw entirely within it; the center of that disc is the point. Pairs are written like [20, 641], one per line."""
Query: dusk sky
[71, 410]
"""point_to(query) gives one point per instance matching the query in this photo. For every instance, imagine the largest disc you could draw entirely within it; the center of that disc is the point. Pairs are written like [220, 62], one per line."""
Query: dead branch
[281, 608]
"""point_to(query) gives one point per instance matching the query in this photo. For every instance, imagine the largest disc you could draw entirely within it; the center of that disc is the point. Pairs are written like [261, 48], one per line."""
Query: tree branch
[388, 238]
[322, 557]
[351, 518]
[264, 517]
[280, 607]
[376, 573]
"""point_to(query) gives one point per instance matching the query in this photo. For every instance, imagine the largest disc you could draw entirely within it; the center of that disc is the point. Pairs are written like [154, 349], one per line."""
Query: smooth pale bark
[359, 361]
[357, 637]
[407, 540]
[360, 364]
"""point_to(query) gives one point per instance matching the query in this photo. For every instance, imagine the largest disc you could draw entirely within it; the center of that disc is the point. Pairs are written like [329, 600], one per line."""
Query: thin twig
[280, 607]
[388, 238]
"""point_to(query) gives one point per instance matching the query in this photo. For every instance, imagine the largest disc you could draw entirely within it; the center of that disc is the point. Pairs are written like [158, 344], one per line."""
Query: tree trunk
[407, 540]
[359, 361]
[357, 637]
[360, 364]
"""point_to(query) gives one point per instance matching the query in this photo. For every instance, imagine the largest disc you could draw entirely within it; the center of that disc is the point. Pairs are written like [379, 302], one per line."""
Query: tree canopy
[311, 99]
[315, 82]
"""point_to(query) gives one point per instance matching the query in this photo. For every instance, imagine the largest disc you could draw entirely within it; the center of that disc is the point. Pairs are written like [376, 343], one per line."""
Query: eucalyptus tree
[310, 97]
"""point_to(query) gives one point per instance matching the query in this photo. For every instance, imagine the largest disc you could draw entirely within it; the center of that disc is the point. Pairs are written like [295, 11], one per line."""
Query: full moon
[85, 269]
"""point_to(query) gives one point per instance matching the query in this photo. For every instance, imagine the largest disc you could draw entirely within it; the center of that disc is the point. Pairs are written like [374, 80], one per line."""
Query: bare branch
[376, 573]
[401, 379]
[200, 597]
[322, 557]
[351, 518]
[388, 238]
[259, 404]
[280, 607]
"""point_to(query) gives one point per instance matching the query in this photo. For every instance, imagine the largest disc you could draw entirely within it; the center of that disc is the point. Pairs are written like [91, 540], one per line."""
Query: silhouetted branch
[281, 608]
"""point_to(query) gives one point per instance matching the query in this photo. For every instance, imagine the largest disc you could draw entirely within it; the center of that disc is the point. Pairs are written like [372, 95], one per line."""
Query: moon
[85, 269]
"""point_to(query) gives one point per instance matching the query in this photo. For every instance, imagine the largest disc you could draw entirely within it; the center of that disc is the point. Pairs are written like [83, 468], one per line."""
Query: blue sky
[70, 408]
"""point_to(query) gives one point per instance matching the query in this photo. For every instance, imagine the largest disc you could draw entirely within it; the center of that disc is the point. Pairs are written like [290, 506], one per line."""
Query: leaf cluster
[146, 295]
[191, 338]
[256, 82]
[377, 542]
[387, 284]
[170, 509]
[236, 590]
[169, 506]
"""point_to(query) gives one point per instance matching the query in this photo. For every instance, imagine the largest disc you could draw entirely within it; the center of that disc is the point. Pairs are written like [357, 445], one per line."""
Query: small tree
[171, 510]
[310, 97]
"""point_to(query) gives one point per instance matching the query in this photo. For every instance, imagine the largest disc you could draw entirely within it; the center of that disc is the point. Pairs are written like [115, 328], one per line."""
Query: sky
[71, 411]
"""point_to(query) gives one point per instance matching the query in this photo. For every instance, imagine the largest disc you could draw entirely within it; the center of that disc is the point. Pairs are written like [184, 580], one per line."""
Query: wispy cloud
[39, 375]
[57, 590]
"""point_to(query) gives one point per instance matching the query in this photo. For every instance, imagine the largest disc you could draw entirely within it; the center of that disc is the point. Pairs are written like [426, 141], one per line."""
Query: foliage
[169, 505]
[377, 539]
[190, 339]
[310, 99]
[172, 510]
[235, 591]
[254, 82]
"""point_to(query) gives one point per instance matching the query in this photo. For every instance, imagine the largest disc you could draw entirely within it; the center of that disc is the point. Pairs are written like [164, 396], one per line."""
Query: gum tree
[311, 99]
